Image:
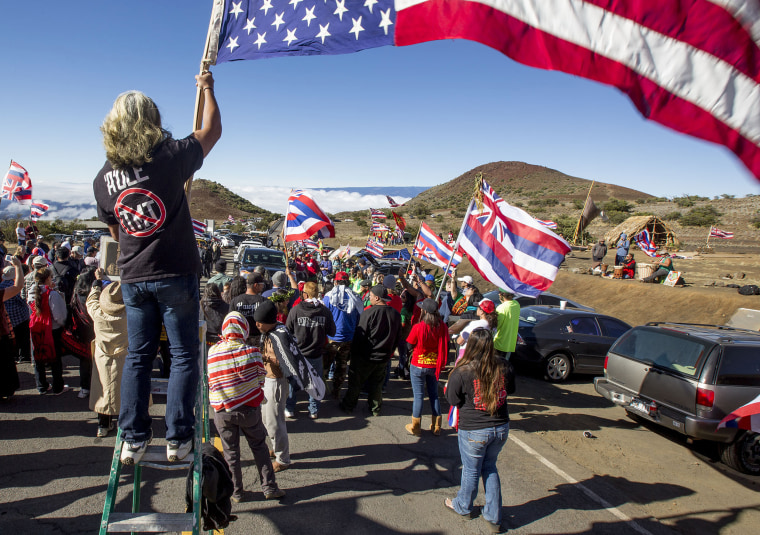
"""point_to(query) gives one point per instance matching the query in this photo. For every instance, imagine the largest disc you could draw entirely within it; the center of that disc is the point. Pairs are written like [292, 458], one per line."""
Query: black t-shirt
[148, 203]
[247, 304]
[463, 390]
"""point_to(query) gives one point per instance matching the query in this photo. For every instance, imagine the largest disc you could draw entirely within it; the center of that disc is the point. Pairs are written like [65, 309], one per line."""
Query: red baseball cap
[487, 306]
[341, 276]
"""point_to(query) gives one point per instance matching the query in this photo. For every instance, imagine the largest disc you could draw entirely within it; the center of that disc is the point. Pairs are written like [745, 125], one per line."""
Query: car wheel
[743, 454]
[557, 368]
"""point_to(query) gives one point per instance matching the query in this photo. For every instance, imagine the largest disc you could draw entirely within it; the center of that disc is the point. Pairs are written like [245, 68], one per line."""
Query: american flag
[375, 248]
[377, 214]
[645, 243]
[17, 185]
[38, 209]
[691, 67]
[199, 227]
[717, 233]
[548, 224]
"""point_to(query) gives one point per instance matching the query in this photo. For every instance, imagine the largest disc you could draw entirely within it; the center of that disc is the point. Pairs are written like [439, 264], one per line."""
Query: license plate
[639, 406]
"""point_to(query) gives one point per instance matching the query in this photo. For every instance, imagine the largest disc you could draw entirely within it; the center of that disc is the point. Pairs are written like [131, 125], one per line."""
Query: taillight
[606, 360]
[705, 399]
[520, 341]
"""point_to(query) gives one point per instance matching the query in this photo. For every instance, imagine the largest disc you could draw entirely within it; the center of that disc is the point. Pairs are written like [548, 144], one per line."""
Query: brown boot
[414, 427]
[435, 426]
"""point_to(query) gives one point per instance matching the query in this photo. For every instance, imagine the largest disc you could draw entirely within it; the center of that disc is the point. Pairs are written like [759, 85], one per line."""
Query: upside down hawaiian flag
[431, 248]
[692, 66]
[305, 218]
[508, 247]
[645, 243]
[38, 210]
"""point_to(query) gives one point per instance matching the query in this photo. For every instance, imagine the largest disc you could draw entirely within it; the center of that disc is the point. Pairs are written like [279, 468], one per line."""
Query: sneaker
[236, 499]
[274, 495]
[176, 450]
[132, 452]
[65, 388]
[289, 414]
[47, 389]
[104, 431]
[313, 415]
[83, 393]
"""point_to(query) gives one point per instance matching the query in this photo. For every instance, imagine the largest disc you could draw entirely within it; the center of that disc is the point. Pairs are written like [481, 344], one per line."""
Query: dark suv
[251, 257]
[688, 377]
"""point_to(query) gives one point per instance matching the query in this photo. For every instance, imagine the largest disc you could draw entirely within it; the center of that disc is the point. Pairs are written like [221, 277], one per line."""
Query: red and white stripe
[691, 65]
[717, 233]
[548, 224]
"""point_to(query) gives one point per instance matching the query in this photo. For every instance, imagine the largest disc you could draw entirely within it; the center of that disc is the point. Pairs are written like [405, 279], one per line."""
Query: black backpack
[64, 278]
[749, 289]
[216, 490]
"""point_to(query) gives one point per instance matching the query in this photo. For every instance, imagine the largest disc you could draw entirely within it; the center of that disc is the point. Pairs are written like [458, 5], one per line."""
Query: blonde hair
[131, 130]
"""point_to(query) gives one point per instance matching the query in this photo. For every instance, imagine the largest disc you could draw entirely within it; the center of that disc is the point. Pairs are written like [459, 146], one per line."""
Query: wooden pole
[454, 248]
[578, 226]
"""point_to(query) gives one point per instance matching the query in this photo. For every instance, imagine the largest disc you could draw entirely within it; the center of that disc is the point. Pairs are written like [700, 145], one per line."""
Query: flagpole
[213, 30]
[709, 232]
[578, 226]
[454, 248]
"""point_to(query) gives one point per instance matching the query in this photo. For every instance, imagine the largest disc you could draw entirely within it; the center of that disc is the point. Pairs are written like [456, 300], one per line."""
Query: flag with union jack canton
[374, 213]
[508, 247]
[548, 224]
[431, 248]
[17, 185]
[375, 248]
[305, 218]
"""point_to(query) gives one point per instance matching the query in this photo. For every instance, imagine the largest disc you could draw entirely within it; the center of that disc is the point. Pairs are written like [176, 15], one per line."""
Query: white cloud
[275, 199]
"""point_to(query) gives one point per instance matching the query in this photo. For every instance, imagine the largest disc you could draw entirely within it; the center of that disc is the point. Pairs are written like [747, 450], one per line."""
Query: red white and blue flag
[548, 224]
[646, 244]
[199, 227]
[38, 210]
[377, 214]
[379, 227]
[692, 66]
[305, 218]
[17, 185]
[393, 203]
[310, 243]
[745, 417]
[375, 248]
[431, 248]
[508, 247]
[717, 233]
[230, 219]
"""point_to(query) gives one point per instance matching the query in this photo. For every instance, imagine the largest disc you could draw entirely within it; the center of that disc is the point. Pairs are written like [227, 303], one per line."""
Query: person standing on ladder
[140, 196]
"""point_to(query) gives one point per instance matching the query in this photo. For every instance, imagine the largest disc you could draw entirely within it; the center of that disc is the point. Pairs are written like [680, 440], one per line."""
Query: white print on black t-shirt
[140, 212]
[317, 321]
[118, 179]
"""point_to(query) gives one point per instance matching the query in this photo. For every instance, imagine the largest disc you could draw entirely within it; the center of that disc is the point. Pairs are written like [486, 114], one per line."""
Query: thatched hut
[658, 231]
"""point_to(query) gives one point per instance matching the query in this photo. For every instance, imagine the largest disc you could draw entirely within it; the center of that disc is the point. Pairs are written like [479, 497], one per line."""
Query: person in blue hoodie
[346, 307]
[623, 245]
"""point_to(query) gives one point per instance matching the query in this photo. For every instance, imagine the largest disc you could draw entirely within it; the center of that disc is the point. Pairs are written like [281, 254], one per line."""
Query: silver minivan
[688, 377]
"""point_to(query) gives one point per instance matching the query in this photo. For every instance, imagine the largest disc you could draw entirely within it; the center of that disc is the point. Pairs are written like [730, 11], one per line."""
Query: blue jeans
[479, 450]
[173, 301]
[421, 378]
[290, 404]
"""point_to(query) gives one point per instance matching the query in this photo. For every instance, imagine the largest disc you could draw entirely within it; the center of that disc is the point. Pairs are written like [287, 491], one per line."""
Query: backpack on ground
[216, 490]
[749, 289]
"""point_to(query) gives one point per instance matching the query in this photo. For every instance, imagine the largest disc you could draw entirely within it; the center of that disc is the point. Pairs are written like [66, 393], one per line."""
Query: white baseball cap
[466, 279]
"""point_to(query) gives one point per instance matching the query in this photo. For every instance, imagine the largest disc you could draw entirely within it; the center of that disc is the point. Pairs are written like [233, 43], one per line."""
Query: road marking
[588, 492]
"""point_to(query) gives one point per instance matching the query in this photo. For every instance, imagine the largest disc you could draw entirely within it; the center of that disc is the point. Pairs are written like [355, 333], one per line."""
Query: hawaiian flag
[400, 221]
[17, 185]
[508, 247]
[199, 227]
[548, 224]
[38, 209]
[431, 248]
[377, 214]
[375, 248]
[230, 219]
[745, 417]
[379, 227]
[305, 218]
[717, 233]
[311, 244]
[645, 243]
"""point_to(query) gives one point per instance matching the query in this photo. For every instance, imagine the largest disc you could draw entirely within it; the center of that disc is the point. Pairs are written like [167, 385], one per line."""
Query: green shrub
[543, 202]
[578, 204]
[755, 221]
[617, 205]
[617, 217]
[701, 216]
[672, 216]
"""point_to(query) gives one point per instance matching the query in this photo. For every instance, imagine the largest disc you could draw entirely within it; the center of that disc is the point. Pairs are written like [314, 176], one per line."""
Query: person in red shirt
[429, 338]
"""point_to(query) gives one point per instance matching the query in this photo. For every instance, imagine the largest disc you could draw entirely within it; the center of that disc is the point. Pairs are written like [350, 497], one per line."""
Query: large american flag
[692, 66]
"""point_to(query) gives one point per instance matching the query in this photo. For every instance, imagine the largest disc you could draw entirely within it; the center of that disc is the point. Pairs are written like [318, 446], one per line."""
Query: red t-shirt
[426, 344]
[395, 302]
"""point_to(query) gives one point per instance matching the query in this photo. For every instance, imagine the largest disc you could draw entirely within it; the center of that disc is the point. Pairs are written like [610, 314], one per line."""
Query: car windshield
[264, 258]
[535, 316]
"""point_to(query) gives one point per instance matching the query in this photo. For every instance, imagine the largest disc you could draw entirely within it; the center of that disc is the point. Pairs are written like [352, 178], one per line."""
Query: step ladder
[155, 457]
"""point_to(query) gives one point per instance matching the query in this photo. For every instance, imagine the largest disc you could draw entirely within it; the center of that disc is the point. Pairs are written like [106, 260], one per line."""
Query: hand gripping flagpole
[477, 200]
[209, 58]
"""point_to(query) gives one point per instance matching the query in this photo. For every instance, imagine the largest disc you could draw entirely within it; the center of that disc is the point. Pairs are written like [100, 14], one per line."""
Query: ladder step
[150, 522]
[158, 454]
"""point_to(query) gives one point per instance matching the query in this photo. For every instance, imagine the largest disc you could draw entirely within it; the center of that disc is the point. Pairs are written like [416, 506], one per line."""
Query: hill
[211, 200]
[519, 181]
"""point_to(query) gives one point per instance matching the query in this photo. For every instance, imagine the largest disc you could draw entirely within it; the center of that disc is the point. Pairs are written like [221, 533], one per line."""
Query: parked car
[688, 377]
[272, 260]
[226, 242]
[565, 341]
[545, 298]
[237, 238]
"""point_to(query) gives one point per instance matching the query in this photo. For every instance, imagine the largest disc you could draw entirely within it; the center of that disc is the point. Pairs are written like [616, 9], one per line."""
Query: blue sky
[418, 115]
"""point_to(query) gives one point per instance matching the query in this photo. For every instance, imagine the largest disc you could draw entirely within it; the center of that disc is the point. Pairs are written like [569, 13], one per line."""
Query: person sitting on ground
[220, 276]
[663, 269]
[235, 379]
[105, 306]
[598, 251]
[629, 266]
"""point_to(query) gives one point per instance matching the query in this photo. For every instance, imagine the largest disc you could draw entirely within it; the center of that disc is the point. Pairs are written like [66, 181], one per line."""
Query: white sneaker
[83, 393]
[176, 450]
[132, 452]
[289, 414]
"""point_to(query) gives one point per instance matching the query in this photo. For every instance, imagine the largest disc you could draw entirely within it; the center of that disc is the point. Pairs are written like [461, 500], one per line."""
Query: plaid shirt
[17, 309]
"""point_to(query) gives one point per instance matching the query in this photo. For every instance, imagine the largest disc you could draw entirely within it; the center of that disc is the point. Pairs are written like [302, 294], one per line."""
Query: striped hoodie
[235, 370]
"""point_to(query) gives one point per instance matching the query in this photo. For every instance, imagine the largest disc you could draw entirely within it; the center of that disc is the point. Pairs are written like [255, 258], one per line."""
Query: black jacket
[311, 324]
[377, 334]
